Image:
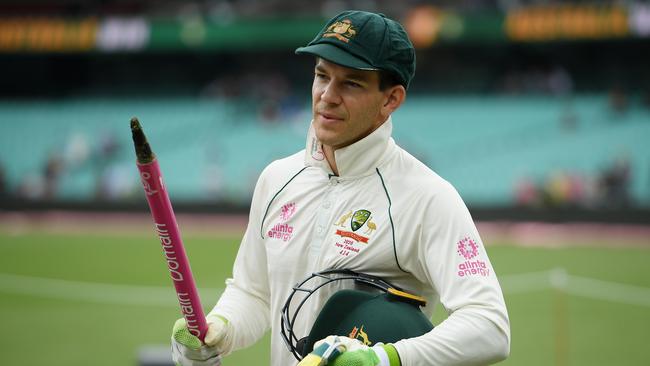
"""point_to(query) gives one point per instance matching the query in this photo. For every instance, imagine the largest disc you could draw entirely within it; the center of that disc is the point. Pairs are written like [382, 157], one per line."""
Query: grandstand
[483, 145]
[502, 112]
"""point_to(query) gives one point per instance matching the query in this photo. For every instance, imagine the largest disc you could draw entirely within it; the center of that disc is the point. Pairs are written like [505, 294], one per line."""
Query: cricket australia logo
[341, 30]
[356, 220]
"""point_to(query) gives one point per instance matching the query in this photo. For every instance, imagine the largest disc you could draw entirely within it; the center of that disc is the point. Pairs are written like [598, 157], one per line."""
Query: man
[353, 199]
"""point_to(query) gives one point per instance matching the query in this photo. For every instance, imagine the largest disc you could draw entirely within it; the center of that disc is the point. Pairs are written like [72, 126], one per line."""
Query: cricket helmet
[357, 305]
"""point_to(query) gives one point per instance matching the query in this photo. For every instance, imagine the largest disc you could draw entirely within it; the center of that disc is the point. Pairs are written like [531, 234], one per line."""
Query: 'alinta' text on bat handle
[167, 230]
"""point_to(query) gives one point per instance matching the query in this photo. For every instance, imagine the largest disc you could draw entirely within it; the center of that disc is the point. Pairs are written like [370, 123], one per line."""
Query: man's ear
[395, 96]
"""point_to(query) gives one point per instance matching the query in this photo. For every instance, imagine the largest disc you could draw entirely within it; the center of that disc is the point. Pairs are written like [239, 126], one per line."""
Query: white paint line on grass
[94, 292]
[608, 291]
[525, 282]
[577, 286]
[163, 296]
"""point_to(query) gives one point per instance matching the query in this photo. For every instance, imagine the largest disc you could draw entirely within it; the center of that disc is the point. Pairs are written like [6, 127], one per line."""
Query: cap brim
[336, 55]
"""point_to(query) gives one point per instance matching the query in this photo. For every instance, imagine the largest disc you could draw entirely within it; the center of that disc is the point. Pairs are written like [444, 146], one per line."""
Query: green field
[80, 299]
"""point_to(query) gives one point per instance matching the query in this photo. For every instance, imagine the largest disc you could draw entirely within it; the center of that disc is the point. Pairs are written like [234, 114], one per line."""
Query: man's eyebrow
[358, 76]
[353, 75]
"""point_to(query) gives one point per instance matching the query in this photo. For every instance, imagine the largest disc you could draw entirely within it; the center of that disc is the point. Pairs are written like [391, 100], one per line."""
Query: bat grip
[178, 264]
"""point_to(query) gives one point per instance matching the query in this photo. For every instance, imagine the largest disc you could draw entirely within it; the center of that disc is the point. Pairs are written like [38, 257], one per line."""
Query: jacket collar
[357, 159]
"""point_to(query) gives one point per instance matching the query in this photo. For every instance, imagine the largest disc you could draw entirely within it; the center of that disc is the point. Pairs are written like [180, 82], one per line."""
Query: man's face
[346, 104]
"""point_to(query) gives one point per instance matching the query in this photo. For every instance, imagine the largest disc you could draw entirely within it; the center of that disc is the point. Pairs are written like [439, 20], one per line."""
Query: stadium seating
[214, 150]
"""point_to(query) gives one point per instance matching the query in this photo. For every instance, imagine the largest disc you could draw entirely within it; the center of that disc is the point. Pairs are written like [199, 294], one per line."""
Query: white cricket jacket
[418, 235]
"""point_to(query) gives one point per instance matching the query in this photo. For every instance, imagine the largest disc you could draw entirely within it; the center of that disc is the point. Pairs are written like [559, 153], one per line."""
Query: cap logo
[342, 30]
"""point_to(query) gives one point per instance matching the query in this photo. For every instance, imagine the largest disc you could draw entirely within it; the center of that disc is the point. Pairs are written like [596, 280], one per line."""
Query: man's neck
[330, 157]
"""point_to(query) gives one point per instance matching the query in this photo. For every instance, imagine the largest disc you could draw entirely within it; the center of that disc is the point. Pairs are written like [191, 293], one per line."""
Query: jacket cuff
[387, 355]
[393, 356]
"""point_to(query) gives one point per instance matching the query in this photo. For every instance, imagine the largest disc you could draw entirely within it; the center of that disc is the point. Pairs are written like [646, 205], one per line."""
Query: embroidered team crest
[356, 220]
[342, 30]
[358, 333]
[359, 218]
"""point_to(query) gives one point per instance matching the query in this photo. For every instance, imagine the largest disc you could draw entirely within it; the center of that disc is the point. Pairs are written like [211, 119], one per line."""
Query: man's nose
[330, 94]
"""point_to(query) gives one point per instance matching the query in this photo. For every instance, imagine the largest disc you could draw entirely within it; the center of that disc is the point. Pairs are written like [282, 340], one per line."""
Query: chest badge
[356, 220]
[359, 218]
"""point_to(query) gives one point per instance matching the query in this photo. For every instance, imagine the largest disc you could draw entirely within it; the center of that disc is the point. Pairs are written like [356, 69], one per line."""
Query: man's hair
[387, 79]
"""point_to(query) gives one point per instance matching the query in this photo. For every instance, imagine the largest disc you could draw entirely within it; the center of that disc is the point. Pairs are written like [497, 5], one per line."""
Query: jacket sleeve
[452, 259]
[245, 301]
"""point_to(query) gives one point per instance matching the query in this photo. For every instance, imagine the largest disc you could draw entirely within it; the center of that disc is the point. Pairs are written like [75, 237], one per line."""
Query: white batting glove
[187, 349]
[358, 354]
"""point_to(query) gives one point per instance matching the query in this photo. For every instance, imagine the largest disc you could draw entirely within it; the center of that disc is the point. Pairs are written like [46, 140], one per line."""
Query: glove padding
[187, 349]
[358, 354]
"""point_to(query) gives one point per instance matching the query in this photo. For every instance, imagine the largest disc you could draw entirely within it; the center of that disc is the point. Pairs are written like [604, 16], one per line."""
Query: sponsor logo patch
[287, 211]
[282, 230]
[468, 249]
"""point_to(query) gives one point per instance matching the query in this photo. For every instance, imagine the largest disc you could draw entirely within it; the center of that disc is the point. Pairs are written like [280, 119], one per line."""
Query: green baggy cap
[368, 317]
[365, 41]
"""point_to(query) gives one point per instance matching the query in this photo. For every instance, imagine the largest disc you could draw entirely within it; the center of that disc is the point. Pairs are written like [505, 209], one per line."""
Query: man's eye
[354, 84]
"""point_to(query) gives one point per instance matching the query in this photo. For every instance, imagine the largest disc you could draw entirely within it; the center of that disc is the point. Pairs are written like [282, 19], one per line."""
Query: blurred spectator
[52, 171]
[31, 187]
[537, 79]
[618, 100]
[557, 190]
[109, 145]
[614, 184]
[560, 189]
[559, 82]
[221, 11]
[76, 151]
[526, 193]
[104, 177]
[269, 94]
[214, 178]
[214, 182]
[117, 182]
[568, 117]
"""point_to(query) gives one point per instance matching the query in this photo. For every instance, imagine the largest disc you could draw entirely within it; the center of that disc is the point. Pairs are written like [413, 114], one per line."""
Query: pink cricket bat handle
[172, 245]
